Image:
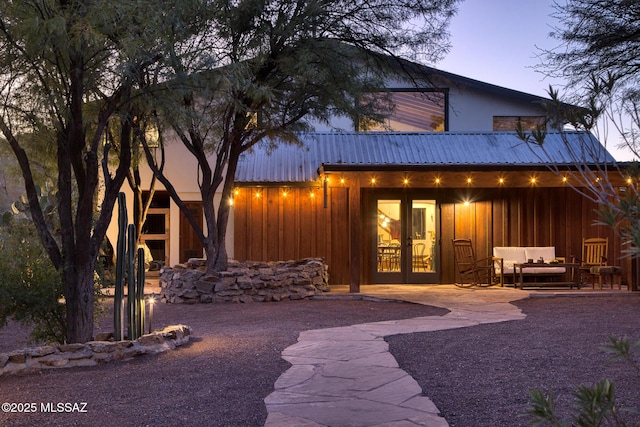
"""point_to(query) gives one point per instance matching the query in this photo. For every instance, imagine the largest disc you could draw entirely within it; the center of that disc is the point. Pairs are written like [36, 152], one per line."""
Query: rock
[244, 282]
[41, 351]
[104, 336]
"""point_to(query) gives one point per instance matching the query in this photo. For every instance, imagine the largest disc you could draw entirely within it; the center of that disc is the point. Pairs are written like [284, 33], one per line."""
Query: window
[410, 111]
[510, 123]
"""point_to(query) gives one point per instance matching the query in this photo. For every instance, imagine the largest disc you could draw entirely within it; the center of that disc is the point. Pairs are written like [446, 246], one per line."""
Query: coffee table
[570, 269]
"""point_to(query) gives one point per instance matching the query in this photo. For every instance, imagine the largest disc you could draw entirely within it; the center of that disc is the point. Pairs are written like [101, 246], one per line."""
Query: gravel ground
[482, 376]
[478, 376]
[220, 379]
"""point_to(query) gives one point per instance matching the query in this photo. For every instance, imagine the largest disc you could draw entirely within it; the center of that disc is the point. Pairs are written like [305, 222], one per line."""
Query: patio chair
[469, 270]
[594, 262]
[419, 258]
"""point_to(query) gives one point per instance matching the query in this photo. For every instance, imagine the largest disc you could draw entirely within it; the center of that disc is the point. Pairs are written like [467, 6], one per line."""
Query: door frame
[188, 240]
[406, 275]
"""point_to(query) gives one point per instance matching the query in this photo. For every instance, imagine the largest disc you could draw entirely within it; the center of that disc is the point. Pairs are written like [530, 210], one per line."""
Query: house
[382, 205]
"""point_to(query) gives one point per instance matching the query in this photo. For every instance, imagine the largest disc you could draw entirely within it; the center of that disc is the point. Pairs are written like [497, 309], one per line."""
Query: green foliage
[595, 405]
[30, 287]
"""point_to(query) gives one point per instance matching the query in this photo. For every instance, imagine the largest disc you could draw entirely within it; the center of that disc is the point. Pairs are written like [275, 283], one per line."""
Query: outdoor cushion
[605, 269]
[544, 270]
[510, 255]
[547, 253]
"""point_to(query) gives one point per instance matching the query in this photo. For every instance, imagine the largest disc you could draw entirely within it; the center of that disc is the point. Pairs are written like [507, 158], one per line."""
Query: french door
[407, 236]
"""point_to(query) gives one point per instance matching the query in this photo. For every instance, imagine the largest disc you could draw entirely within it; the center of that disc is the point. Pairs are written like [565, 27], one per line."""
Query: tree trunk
[79, 295]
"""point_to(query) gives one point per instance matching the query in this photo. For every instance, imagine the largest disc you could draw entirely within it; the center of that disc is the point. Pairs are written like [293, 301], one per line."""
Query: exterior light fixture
[501, 180]
[257, 195]
[284, 193]
[534, 180]
[342, 181]
[466, 203]
[236, 191]
[469, 180]
[373, 181]
[405, 181]
[629, 180]
[437, 180]
[564, 179]
[151, 301]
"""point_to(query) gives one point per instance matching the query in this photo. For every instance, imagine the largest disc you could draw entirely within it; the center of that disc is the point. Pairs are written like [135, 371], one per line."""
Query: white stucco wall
[471, 110]
[182, 170]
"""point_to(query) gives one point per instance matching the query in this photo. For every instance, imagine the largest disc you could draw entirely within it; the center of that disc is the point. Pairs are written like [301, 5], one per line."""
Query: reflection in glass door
[406, 247]
[423, 236]
[389, 236]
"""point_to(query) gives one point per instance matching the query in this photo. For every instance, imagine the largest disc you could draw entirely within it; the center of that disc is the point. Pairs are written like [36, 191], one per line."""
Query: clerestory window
[408, 110]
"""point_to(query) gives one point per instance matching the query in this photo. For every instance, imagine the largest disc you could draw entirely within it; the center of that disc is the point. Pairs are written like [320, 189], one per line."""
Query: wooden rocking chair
[594, 262]
[469, 270]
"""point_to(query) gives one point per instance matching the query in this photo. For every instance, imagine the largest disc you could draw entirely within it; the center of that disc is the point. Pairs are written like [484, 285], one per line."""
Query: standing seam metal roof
[300, 162]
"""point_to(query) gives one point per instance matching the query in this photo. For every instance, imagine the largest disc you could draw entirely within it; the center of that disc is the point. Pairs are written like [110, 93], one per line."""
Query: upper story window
[510, 123]
[412, 110]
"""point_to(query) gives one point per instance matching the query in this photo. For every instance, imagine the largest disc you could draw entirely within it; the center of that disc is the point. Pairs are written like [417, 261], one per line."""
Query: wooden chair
[469, 270]
[419, 258]
[594, 262]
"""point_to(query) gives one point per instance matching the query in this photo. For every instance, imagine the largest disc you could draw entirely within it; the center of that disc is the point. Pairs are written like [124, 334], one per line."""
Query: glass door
[421, 239]
[389, 251]
[406, 240]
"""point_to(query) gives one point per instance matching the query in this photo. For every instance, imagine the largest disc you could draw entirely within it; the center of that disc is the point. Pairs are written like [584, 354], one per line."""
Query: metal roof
[285, 162]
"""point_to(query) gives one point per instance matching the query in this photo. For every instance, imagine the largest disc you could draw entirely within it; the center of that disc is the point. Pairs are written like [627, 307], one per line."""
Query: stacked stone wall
[244, 282]
[93, 352]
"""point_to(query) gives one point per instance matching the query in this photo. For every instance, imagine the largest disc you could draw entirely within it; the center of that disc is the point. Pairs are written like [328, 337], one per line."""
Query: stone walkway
[347, 377]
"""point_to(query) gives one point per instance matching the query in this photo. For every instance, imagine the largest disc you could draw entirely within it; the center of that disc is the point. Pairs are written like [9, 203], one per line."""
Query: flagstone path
[346, 376]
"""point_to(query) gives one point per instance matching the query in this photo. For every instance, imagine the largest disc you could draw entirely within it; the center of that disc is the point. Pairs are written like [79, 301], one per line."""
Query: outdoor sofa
[506, 257]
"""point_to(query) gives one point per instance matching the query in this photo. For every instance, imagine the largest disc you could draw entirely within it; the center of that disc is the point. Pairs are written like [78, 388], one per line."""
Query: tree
[599, 58]
[265, 70]
[68, 67]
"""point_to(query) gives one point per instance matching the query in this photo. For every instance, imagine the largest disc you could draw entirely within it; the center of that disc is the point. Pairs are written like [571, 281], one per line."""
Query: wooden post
[355, 235]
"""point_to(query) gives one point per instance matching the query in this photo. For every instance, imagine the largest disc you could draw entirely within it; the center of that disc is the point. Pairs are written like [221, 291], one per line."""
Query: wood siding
[271, 226]
[278, 227]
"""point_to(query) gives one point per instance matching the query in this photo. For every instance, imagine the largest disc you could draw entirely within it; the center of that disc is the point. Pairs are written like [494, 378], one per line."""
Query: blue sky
[497, 41]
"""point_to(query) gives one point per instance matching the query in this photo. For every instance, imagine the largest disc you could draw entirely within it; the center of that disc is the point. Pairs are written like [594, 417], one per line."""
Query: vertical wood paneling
[274, 227]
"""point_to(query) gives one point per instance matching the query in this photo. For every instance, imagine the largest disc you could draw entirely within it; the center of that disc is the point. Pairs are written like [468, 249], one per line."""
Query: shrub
[30, 287]
[595, 405]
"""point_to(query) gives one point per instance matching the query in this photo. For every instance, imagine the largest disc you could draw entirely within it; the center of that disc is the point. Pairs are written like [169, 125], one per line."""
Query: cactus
[140, 291]
[127, 255]
[118, 304]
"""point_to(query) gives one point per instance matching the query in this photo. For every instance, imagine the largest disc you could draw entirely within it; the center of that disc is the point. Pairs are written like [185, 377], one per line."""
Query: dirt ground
[478, 376]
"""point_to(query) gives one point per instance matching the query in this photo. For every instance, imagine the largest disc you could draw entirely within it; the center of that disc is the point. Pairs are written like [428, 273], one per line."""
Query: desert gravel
[477, 376]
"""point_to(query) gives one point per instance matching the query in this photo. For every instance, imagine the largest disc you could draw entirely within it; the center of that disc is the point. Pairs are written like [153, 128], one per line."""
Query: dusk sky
[497, 41]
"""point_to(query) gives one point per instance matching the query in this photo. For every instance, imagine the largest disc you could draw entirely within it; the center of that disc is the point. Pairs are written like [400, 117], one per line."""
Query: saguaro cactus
[126, 267]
